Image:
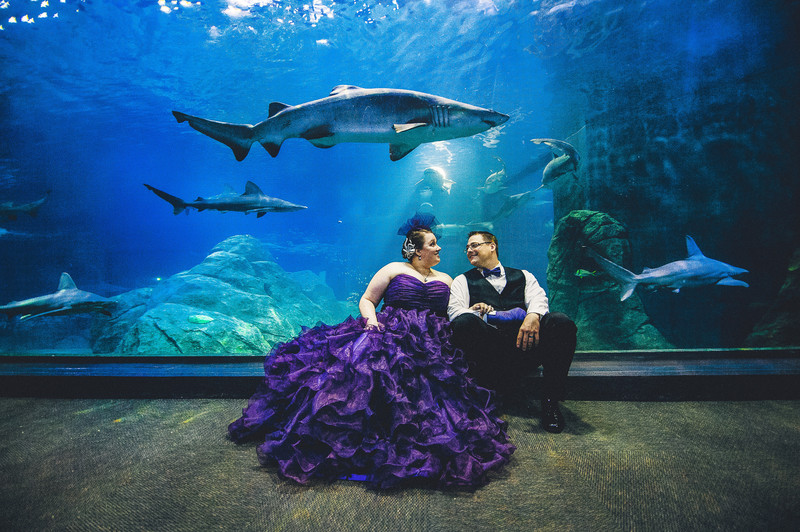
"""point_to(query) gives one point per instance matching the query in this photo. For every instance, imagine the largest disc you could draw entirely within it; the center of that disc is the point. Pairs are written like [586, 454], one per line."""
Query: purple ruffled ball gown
[386, 406]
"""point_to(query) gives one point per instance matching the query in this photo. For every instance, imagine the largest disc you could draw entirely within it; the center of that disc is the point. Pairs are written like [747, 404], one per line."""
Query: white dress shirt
[535, 297]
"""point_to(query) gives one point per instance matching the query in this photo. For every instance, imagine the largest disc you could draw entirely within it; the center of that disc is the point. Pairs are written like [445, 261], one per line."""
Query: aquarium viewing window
[638, 160]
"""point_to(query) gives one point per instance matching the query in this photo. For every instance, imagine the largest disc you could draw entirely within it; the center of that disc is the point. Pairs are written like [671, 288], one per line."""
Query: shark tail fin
[238, 137]
[178, 205]
[625, 278]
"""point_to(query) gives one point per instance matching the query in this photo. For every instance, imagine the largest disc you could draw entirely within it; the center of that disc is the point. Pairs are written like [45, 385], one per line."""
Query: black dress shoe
[552, 418]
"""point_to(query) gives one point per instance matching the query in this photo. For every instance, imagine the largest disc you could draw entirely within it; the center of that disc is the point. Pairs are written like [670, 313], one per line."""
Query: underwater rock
[579, 288]
[778, 327]
[167, 329]
[251, 301]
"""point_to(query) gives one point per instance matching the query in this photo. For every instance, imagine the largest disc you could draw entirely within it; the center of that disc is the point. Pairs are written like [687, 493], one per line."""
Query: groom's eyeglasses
[474, 245]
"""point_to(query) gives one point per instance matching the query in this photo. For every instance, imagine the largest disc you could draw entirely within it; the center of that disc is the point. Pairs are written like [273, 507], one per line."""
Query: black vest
[480, 291]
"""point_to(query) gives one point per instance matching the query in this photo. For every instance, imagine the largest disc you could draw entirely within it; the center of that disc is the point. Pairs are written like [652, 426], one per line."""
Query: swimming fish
[200, 319]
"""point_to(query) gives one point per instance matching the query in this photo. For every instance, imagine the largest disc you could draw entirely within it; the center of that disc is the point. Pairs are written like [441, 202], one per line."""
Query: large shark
[404, 119]
[695, 270]
[66, 300]
[9, 211]
[253, 200]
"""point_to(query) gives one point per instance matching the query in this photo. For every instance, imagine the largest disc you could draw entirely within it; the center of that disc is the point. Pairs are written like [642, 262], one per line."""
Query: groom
[500, 319]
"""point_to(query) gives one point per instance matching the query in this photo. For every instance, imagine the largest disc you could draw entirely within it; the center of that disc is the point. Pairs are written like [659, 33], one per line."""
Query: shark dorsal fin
[338, 89]
[66, 282]
[691, 248]
[251, 189]
[276, 107]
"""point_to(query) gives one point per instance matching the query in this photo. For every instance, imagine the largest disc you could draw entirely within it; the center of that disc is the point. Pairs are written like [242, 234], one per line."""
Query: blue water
[86, 99]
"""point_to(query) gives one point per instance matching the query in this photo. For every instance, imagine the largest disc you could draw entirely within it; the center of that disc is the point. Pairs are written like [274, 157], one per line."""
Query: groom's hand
[528, 335]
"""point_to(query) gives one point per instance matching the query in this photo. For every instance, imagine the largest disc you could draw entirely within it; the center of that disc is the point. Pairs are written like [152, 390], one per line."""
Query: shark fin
[400, 128]
[54, 312]
[319, 132]
[692, 249]
[271, 148]
[66, 282]
[251, 189]
[238, 137]
[338, 89]
[728, 281]
[260, 214]
[178, 205]
[676, 291]
[398, 151]
[626, 278]
[627, 291]
[276, 107]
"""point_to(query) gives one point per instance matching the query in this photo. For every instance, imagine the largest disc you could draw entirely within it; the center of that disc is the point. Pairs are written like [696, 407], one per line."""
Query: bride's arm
[374, 293]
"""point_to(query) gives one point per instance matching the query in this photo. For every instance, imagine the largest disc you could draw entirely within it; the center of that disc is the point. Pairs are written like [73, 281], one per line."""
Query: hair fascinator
[415, 223]
[419, 221]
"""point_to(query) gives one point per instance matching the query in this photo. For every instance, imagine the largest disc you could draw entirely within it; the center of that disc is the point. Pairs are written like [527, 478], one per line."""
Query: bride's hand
[373, 326]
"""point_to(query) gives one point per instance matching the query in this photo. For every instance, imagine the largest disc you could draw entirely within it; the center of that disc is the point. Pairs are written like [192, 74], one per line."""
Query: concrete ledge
[721, 374]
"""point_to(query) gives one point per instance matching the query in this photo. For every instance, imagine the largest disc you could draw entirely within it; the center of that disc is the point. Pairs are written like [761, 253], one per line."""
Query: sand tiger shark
[695, 270]
[9, 211]
[404, 119]
[66, 300]
[253, 200]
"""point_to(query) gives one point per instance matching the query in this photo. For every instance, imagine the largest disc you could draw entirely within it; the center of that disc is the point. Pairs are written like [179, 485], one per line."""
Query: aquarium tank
[639, 158]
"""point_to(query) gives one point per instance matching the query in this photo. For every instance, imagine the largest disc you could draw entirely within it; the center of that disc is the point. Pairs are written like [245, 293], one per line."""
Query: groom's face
[482, 256]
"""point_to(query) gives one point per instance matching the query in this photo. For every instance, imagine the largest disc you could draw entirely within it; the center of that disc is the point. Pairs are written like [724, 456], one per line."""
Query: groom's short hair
[489, 237]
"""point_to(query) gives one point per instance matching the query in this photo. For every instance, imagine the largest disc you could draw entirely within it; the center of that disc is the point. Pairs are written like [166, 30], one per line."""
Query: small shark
[253, 200]
[561, 165]
[404, 119]
[9, 211]
[695, 270]
[496, 181]
[435, 178]
[462, 230]
[514, 203]
[66, 300]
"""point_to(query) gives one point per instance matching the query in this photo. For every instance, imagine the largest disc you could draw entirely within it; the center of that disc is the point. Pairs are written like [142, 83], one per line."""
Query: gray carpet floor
[165, 464]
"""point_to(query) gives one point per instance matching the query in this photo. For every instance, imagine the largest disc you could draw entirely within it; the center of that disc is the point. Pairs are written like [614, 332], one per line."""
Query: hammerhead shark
[695, 270]
[253, 200]
[404, 119]
[66, 300]
[9, 211]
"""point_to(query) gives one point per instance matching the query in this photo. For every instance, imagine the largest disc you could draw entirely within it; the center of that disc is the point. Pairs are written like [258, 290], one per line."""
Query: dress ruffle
[391, 405]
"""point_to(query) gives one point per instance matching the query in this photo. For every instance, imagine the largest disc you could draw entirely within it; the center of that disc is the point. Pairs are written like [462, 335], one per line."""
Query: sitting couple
[401, 395]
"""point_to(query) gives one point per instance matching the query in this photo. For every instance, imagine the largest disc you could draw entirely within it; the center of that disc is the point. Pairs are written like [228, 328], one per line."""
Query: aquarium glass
[631, 125]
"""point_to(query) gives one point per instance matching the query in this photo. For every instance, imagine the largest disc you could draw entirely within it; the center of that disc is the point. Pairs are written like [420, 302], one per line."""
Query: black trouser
[496, 363]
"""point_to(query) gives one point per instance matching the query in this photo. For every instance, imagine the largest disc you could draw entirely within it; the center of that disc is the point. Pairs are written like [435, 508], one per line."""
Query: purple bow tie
[488, 273]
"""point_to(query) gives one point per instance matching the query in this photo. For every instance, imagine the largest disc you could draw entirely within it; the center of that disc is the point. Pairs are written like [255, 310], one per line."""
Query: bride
[382, 398]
